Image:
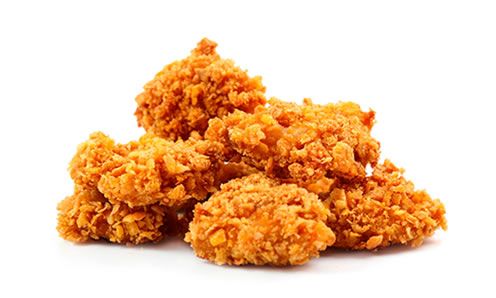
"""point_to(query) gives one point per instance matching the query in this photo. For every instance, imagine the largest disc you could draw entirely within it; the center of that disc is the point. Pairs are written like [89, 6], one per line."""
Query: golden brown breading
[87, 214]
[256, 220]
[86, 166]
[382, 210]
[231, 170]
[307, 144]
[180, 218]
[148, 171]
[187, 93]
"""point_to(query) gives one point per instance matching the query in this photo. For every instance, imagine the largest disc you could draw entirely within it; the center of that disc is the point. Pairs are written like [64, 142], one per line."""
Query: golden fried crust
[384, 209]
[87, 214]
[256, 220]
[231, 170]
[151, 170]
[178, 223]
[86, 166]
[187, 93]
[306, 144]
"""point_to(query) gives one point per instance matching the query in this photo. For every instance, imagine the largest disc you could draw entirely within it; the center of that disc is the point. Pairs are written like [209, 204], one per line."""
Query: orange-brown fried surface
[256, 220]
[231, 170]
[185, 94]
[148, 171]
[382, 210]
[306, 144]
[87, 215]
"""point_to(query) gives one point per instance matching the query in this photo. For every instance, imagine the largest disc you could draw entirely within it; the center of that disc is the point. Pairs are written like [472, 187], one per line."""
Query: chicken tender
[256, 220]
[148, 171]
[89, 215]
[307, 144]
[382, 210]
[187, 93]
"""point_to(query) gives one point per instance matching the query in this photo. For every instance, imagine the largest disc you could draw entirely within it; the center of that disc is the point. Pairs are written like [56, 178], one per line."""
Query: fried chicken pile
[245, 181]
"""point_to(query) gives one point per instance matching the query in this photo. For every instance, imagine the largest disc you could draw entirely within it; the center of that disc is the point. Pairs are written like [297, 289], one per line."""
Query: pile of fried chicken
[243, 179]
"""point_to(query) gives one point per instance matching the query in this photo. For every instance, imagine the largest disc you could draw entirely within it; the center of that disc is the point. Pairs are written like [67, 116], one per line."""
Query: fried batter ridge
[185, 94]
[257, 220]
[307, 144]
[383, 210]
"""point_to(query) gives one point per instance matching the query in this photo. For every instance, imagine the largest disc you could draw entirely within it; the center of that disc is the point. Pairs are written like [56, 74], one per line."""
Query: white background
[427, 67]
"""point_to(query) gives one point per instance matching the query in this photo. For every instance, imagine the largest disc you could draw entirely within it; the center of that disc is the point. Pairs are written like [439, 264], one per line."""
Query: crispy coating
[180, 219]
[382, 210]
[307, 144]
[185, 94]
[148, 171]
[87, 215]
[256, 220]
[231, 170]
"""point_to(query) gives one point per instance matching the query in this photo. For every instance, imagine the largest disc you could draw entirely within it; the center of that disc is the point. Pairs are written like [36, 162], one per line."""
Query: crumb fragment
[374, 242]
[217, 238]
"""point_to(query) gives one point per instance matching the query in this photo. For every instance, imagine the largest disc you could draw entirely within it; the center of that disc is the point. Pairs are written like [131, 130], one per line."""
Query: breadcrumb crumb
[294, 178]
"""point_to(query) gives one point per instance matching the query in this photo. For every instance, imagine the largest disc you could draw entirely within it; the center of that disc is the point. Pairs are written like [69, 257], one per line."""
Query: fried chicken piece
[87, 215]
[148, 171]
[187, 93]
[256, 220]
[307, 144]
[382, 210]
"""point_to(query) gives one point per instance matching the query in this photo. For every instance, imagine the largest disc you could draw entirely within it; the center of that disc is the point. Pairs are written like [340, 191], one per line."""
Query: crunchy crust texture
[382, 210]
[256, 220]
[185, 94]
[87, 215]
[179, 223]
[307, 144]
[148, 171]
[231, 170]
